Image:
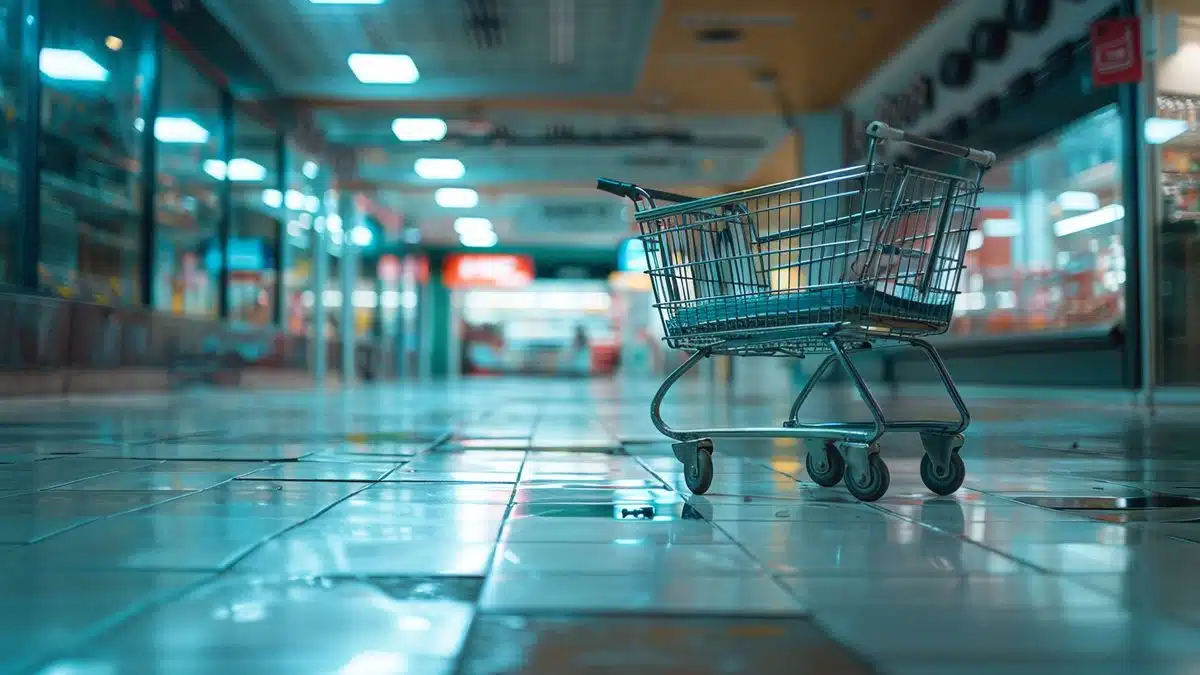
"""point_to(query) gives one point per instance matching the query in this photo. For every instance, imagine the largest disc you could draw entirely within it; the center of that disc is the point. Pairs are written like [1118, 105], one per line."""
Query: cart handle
[635, 192]
[983, 158]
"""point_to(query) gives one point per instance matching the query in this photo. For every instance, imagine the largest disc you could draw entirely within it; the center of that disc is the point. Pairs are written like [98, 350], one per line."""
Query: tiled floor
[542, 527]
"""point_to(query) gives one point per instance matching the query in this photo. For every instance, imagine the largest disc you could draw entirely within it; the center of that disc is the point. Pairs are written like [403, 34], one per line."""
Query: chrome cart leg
[693, 452]
[794, 414]
[942, 468]
[964, 416]
[860, 384]
[656, 402]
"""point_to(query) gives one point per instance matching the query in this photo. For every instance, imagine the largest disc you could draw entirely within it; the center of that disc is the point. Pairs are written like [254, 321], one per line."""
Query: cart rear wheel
[946, 481]
[825, 467]
[872, 486]
[698, 474]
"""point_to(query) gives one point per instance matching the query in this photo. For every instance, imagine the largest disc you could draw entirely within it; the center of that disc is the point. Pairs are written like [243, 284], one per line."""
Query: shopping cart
[835, 263]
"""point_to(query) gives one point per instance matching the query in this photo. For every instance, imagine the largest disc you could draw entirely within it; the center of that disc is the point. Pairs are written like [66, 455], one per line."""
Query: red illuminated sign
[485, 270]
[1116, 51]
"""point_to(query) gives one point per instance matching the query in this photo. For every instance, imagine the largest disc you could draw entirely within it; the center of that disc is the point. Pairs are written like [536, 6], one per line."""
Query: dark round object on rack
[874, 484]
[956, 69]
[988, 109]
[1028, 16]
[1022, 87]
[989, 40]
[957, 129]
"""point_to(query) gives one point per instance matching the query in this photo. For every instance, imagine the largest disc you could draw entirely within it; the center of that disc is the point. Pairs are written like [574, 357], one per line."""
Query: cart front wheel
[698, 474]
[874, 484]
[945, 481]
[826, 466]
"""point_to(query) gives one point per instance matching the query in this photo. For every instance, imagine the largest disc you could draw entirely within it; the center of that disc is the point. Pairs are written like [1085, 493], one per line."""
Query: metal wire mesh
[868, 252]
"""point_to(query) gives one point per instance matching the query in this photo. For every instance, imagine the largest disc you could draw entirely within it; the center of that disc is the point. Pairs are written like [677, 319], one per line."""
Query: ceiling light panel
[384, 68]
[439, 169]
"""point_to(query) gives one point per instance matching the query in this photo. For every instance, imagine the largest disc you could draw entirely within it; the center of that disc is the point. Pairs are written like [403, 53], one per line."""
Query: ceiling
[542, 96]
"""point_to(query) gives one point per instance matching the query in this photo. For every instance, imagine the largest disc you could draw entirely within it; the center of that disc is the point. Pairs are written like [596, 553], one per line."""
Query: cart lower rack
[864, 257]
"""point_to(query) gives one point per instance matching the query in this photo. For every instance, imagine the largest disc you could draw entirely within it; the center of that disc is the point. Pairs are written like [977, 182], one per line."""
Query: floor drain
[1109, 503]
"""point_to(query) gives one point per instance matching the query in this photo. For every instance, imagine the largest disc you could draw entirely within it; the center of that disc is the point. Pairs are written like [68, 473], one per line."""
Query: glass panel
[1048, 253]
[11, 103]
[257, 213]
[187, 207]
[1175, 131]
[90, 151]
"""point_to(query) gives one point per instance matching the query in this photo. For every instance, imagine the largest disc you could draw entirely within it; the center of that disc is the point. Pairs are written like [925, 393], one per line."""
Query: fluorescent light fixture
[175, 130]
[240, 170]
[417, 130]
[384, 68]
[272, 198]
[466, 227]
[1159, 130]
[974, 240]
[334, 222]
[70, 64]
[1078, 201]
[479, 239]
[312, 203]
[1001, 227]
[439, 169]
[361, 236]
[310, 169]
[1103, 216]
[456, 198]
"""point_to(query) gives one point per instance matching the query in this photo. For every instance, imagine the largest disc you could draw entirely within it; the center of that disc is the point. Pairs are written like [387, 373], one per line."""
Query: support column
[352, 217]
[283, 249]
[225, 204]
[149, 67]
[320, 273]
[27, 237]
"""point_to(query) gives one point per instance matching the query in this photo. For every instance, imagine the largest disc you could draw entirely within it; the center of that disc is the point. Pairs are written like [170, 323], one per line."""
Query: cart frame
[836, 450]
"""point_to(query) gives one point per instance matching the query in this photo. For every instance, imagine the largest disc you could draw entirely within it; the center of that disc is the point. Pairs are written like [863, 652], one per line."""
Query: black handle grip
[616, 187]
[633, 192]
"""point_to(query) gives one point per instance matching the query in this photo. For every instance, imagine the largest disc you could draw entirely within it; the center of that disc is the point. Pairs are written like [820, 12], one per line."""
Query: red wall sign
[487, 270]
[1116, 51]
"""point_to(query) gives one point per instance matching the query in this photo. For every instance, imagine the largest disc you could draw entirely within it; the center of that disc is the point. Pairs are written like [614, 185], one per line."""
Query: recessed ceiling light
[384, 68]
[175, 130]
[361, 236]
[439, 169]
[70, 64]
[416, 130]
[486, 239]
[466, 227]
[456, 198]
[114, 43]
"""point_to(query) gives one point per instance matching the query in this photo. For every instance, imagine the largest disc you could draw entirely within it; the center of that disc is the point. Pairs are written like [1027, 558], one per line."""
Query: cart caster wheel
[948, 480]
[698, 473]
[825, 466]
[872, 486]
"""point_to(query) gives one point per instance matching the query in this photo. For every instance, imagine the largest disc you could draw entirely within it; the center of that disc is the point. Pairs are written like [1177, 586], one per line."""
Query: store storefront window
[12, 106]
[89, 150]
[257, 212]
[1047, 253]
[1175, 133]
[187, 204]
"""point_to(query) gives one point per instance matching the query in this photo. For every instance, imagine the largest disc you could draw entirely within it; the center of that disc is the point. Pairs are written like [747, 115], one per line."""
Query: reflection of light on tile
[248, 612]
[512, 557]
[413, 624]
[374, 663]
[627, 542]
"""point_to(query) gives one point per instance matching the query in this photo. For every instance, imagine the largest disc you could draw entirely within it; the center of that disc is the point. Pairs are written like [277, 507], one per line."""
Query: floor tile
[651, 593]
